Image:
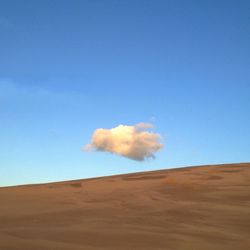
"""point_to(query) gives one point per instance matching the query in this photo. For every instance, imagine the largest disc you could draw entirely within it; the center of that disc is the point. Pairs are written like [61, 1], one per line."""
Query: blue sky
[70, 67]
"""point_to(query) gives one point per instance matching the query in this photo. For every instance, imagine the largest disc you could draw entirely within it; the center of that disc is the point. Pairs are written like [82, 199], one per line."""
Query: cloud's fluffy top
[134, 142]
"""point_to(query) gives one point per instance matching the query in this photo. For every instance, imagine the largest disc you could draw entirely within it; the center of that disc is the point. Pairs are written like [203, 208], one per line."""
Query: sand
[195, 208]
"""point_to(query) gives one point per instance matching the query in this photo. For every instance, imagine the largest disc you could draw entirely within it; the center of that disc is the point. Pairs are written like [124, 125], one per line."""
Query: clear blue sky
[69, 67]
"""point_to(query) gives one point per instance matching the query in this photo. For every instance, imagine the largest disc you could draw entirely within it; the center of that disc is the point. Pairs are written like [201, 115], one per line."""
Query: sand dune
[192, 208]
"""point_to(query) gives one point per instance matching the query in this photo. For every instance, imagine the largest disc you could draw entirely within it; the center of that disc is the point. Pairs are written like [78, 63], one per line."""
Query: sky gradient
[70, 67]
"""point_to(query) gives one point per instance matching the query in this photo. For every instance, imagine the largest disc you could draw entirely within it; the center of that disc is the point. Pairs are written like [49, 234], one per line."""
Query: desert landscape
[148, 98]
[192, 208]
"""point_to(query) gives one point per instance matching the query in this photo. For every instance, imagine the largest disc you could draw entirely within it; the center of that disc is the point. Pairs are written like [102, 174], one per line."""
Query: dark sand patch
[141, 178]
[214, 177]
[76, 184]
[231, 171]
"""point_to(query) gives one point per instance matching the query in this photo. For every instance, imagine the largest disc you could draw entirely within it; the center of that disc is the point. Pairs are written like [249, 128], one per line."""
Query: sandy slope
[190, 208]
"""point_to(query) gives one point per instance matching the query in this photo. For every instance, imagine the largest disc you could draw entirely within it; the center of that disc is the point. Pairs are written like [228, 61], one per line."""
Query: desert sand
[193, 208]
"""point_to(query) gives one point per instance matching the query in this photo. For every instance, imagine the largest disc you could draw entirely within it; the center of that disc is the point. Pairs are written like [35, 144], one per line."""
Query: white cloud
[134, 142]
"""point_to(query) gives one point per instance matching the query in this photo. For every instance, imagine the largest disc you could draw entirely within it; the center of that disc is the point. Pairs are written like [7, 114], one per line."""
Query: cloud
[134, 142]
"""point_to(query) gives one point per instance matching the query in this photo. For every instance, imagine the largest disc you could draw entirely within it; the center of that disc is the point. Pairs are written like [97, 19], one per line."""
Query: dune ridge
[204, 207]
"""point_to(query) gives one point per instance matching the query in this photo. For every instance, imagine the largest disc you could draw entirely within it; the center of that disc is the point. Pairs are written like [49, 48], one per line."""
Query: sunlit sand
[194, 208]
